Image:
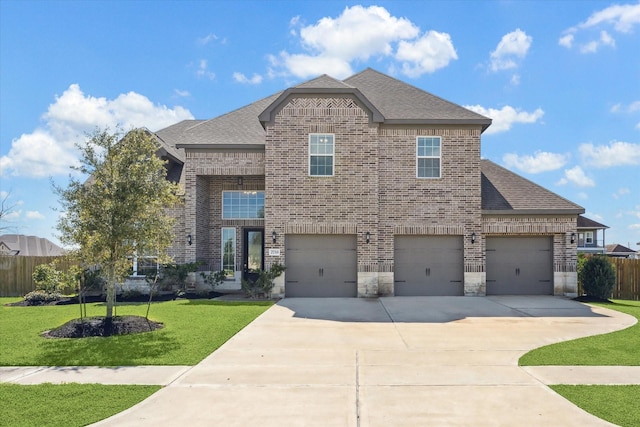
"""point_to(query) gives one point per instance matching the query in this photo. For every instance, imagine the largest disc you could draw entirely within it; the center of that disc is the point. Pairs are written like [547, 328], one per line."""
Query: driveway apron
[398, 361]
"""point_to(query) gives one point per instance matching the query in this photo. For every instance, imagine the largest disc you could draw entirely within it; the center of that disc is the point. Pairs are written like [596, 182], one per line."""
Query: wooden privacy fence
[16, 272]
[627, 279]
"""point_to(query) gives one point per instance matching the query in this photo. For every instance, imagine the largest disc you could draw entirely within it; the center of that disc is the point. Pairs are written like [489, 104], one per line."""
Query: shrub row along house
[364, 187]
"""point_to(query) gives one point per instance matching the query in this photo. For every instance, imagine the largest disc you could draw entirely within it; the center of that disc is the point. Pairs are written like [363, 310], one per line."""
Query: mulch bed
[98, 327]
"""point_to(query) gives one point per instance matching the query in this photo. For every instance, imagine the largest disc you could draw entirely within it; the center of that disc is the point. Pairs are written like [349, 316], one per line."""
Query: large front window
[228, 251]
[428, 156]
[321, 154]
[242, 204]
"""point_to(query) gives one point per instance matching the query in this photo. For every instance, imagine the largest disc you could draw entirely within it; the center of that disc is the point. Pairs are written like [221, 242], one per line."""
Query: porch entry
[252, 252]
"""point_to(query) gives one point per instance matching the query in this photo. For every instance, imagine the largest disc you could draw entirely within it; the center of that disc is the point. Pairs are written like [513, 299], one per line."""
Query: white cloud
[207, 39]
[619, 18]
[50, 149]
[182, 93]
[577, 177]
[582, 195]
[515, 80]
[505, 117]
[428, 54]
[34, 215]
[359, 33]
[622, 17]
[566, 41]
[203, 70]
[241, 78]
[631, 108]
[617, 153]
[512, 48]
[12, 216]
[594, 45]
[620, 192]
[541, 161]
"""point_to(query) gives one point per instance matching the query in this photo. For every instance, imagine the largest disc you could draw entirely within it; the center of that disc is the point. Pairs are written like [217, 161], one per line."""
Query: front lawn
[614, 349]
[618, 404]
[192, 330]
[66, 404]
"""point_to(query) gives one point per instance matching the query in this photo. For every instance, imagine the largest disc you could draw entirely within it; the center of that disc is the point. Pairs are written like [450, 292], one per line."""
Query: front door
[253, 253]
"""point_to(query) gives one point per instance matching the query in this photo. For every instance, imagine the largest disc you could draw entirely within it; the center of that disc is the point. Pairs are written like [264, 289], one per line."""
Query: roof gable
[323, 85]
[504, 192]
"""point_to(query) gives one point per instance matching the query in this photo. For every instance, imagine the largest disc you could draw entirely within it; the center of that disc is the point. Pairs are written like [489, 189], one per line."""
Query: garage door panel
[428, 265]
[519, 265]
[321, 266]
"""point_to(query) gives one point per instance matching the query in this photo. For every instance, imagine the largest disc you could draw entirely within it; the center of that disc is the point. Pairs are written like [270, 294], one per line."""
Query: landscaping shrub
[46, 277]
[598, 277]
[264, 283]
[39, 297]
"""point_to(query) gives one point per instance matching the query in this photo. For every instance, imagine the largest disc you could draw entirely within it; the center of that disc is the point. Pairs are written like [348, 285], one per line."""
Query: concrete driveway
[395, 361]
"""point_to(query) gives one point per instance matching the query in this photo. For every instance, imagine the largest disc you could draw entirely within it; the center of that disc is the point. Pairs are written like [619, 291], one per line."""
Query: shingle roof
[172, 135]
[390, 101]
[505, 192]
[240, 126]
[323, 82]
[22, 245]
[584, 222]
[616, 248]
[400, 102]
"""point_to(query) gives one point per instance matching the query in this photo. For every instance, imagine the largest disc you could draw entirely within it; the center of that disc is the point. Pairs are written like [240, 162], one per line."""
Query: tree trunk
[110, 302]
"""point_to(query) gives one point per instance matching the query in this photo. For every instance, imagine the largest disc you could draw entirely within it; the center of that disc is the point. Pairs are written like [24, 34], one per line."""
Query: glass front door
[253, 253]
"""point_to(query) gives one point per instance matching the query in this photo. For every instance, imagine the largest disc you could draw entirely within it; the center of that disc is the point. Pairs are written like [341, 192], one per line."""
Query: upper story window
[588, 237]
[428, 157]
[321, 152]
[242, 204]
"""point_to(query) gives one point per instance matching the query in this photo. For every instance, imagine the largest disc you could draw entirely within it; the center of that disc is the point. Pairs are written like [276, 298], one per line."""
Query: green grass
[66, 404]
[614, 349]
[618, 404]
[192, 330]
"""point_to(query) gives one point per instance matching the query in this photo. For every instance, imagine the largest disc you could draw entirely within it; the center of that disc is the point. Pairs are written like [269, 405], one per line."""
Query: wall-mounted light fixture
[239, 180]
[473, 237]
[189, 239]
[573, 237]
[367, 237]
[274, 236]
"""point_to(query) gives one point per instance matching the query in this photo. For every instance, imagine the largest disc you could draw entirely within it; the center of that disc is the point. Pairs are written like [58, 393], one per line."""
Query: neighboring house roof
[505, 192]
[617, 249]
[586, 223]
[19, 244]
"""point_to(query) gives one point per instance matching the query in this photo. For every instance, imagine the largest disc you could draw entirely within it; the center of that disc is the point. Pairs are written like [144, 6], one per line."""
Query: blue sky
[561, 81]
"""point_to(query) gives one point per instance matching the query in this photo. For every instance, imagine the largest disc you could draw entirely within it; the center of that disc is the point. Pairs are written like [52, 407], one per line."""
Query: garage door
[519, 266]
[428, 265]
[321, 266]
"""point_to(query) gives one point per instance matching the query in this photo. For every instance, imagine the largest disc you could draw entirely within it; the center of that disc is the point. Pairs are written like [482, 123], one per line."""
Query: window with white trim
[428, 157]
[321, 154]
[142, 266]
[242, 204]
[228, 250]
[588, 237]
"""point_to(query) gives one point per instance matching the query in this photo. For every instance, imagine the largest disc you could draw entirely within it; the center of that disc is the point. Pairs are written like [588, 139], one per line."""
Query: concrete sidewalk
[379, 362]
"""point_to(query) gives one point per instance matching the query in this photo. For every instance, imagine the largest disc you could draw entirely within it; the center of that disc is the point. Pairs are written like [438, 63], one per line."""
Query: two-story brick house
[364, 187]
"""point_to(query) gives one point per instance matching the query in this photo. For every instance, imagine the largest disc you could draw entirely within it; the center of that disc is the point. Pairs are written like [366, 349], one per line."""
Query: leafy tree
[121, 209]
[598, 277]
